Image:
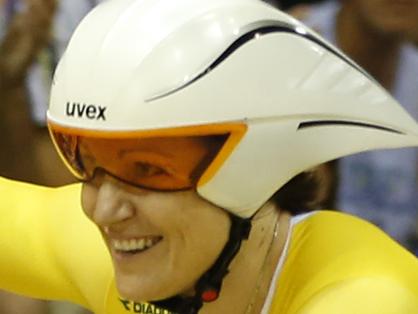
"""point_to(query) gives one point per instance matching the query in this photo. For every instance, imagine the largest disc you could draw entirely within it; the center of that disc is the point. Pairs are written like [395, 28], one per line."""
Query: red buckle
[209, 295]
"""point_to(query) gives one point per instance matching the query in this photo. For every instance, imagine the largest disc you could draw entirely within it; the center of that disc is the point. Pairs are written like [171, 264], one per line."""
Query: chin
[142, 289]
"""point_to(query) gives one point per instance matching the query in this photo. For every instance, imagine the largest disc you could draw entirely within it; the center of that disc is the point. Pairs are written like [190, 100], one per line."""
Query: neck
[371, 48]
[246, 286]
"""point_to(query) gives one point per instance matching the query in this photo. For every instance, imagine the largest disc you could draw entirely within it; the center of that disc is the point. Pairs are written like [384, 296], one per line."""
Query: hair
[310, 190]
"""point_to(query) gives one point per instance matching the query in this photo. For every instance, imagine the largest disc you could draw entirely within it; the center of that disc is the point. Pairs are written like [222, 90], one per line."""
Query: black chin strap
[209, 285]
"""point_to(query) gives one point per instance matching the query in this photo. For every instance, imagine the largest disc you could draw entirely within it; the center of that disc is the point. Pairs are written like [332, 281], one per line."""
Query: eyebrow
[153, 150]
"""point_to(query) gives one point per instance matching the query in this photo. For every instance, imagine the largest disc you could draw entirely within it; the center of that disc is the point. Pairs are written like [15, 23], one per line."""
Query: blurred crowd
[380, 35]
[33, 36]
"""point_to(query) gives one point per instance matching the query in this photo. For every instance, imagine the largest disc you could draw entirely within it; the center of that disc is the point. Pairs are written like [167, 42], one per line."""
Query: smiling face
[160, 242]
[140, 190]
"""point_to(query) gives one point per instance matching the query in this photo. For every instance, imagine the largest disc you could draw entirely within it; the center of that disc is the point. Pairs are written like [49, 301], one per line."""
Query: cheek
[194, 221]
[88, 199]
[192, 225]
[205, 233]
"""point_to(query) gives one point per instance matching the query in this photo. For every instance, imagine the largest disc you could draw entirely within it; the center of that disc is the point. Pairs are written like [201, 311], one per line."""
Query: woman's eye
[148, 170]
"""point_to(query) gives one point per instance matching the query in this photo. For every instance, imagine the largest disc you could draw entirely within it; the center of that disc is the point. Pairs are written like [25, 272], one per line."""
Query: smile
[133, 246]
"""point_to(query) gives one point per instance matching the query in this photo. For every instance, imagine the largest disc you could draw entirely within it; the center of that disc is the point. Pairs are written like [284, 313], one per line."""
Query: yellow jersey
[333, 263]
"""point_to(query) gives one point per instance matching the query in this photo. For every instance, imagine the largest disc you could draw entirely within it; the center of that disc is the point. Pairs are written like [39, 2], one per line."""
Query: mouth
[135, 245]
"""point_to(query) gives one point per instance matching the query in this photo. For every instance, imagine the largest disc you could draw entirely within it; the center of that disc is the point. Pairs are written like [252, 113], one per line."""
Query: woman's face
[160, 242]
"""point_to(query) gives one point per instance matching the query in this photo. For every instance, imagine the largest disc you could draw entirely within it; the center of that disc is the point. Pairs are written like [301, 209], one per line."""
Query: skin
[181, 219]
[178, 218]
[189, 244]
[246, 287]
[185, 233]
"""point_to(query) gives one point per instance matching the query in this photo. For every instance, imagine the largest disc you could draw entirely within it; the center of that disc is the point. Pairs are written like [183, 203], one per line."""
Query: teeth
[134, 244]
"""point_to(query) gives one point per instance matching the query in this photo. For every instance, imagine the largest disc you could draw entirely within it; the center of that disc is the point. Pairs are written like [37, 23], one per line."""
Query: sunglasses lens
[159, 163]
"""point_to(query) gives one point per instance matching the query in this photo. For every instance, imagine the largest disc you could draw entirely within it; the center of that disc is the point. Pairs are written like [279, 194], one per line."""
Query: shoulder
[336, 234]
[26, 197]
[48, 225]
[364, 295]
[340, 225]
[77, 244]
[335, 260]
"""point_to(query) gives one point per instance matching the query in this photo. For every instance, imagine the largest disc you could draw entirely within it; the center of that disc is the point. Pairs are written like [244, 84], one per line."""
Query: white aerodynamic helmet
[279, 97]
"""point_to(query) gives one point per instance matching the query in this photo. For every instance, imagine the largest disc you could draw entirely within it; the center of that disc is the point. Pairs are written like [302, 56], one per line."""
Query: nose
[112, 205]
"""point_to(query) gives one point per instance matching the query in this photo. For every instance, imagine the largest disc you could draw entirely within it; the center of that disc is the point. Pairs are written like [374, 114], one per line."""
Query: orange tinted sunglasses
[164, 162]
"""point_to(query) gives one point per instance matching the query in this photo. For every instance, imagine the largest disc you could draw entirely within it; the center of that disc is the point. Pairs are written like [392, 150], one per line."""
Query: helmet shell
[148, 65]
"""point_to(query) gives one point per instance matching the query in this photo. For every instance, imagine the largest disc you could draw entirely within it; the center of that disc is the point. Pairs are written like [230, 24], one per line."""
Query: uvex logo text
[74, 109]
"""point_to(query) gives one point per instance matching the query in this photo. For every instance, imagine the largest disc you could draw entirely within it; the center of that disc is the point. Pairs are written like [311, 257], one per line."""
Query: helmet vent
[261, 28]
[320, 123]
